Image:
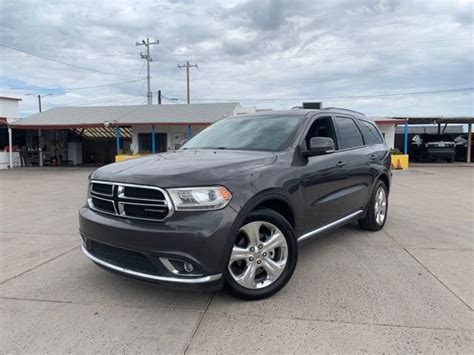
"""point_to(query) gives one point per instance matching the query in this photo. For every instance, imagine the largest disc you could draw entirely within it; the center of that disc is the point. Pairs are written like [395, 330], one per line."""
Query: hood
[185, 167]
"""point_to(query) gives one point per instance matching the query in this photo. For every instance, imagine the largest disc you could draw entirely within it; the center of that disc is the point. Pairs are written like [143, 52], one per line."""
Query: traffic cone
[399, 166]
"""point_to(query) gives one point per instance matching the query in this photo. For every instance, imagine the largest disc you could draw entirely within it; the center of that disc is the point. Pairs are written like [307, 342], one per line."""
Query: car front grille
[131, 201]
[127, 259]
[103, 205]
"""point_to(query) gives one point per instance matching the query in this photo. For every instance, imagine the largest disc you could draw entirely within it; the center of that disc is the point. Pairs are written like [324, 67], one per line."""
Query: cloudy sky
[383, 57]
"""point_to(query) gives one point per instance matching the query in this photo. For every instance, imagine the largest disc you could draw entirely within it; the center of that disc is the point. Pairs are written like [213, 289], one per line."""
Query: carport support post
[153, 143]
[405, 138]
[469, 142]
[190, 132]
[117, 139]
[40, 149]
[10, 146]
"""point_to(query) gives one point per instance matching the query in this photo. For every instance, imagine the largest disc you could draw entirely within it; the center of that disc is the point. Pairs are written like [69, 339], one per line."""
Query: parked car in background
[431, 147]
[461, 148]
[230, 207]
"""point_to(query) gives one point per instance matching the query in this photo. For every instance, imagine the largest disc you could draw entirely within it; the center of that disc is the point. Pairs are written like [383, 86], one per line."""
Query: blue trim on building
[117, 139]
[405, 138]
[153, 140]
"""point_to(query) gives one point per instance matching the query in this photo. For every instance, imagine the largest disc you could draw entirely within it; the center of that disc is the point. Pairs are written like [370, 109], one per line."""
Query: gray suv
[230, 207]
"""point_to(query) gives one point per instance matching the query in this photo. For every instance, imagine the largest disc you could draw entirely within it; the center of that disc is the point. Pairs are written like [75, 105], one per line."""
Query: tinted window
[268, 133]
[145, 142]
[348, 133]
[372, 134]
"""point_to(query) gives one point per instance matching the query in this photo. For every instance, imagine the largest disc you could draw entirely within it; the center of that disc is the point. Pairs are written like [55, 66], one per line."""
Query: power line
[63, 63]
[96, 101]
[172, 99]
[101, 86]
[340, 97]
[127, 99]
[141, 69]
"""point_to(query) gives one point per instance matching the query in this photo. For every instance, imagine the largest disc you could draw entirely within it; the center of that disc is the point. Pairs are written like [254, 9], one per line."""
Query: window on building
[371, 133]
[145, 142]
[348, 133]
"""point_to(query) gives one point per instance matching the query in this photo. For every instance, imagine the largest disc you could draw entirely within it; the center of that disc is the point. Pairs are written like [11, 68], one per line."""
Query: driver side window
[321, 127]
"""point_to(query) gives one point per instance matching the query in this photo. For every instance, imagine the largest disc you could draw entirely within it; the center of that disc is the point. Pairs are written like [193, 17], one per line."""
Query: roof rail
[342, 109]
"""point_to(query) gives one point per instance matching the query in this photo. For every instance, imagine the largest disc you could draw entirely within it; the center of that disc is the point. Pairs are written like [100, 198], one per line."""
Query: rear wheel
[263, 256]
[377, 209]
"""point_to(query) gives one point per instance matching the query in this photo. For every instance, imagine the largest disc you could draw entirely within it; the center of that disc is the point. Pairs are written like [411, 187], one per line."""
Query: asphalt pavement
[407, 288]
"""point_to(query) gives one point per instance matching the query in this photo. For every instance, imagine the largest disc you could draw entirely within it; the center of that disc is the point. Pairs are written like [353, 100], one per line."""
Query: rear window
[348, 133]
[372, 134]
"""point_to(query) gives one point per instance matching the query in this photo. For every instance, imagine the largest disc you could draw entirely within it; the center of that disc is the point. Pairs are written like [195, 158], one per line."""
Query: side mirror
[320, 146]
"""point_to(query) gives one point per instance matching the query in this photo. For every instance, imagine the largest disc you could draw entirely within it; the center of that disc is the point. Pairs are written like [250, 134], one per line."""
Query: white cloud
[245, 50]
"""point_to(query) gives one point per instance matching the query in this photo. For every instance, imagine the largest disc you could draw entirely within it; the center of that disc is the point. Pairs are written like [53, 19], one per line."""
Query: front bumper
[144, 250]
[149, 277]
[441, 153]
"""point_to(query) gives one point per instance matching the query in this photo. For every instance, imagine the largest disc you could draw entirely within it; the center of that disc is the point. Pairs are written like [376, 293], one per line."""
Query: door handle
[340, 164]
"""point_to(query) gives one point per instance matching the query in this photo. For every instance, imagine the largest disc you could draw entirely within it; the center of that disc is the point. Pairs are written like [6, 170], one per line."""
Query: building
[388, 126]
[9, 112]
[94, 135]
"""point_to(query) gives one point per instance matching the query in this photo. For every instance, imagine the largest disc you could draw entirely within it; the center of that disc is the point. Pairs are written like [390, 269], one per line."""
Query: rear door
[355, 155]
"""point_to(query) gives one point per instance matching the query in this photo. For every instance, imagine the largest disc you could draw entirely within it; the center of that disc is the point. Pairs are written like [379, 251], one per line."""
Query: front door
[323, 178]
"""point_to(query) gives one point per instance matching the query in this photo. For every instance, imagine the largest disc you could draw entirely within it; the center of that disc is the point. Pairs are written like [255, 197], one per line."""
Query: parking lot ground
[407, 288]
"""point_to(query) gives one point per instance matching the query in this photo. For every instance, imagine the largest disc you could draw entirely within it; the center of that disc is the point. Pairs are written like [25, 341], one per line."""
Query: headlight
[200, 198]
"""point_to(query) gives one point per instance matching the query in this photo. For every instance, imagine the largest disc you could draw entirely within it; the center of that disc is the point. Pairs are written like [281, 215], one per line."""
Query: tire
[376, 216]
[255, 270]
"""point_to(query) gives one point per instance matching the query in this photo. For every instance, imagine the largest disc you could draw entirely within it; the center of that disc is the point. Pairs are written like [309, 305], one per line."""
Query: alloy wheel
[380, 205]
[259, 255]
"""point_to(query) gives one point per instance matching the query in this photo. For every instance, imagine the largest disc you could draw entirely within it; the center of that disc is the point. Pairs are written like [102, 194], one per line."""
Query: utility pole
[187, 66]
[148, 59]
[39, 96]
[159, 97]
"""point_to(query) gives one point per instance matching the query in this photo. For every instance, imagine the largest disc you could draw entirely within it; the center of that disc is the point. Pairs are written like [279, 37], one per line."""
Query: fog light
[188, 267]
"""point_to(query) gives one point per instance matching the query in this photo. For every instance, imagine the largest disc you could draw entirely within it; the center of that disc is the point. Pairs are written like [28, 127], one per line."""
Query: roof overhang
[438, 120]
[389, 121]
[10, 98]
[99, 125]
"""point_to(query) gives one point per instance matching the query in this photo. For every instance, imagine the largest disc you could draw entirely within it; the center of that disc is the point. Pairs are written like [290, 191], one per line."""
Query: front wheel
[377, 209]
[263, 257]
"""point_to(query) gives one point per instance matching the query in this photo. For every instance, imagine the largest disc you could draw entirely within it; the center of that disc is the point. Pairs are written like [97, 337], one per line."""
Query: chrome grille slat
[120, 200]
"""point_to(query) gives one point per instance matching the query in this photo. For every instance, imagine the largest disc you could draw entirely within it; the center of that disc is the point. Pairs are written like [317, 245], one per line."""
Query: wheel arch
[386, 180]
[274, 199]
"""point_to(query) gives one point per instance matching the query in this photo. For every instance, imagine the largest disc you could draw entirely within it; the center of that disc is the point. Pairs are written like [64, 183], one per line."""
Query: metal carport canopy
[439, 120]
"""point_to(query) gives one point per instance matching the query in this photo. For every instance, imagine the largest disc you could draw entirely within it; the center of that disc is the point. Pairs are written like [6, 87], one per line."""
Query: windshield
[268, 133]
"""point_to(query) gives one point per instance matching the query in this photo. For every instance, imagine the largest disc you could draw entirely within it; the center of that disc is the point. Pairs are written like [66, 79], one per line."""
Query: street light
[39, 96]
